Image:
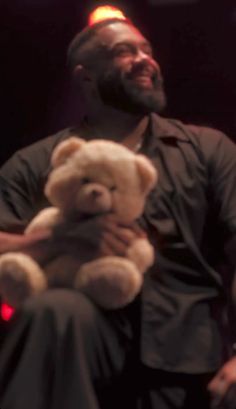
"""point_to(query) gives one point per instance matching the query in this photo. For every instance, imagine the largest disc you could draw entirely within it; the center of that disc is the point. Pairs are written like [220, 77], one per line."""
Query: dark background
[194, 41]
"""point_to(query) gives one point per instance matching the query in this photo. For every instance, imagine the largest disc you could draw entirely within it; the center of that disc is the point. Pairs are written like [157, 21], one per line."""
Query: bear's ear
[147, 172]
[66, 149]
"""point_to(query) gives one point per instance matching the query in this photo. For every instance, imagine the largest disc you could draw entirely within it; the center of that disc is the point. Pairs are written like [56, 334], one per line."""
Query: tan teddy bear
[87, 178]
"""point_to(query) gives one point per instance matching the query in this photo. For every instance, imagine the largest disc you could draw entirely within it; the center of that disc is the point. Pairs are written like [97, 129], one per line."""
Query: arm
[221, 159]
[223, 386]
[22, 180]
[99, 236]
[34, 244]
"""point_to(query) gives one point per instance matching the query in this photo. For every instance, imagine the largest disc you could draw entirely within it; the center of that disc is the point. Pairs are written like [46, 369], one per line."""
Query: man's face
[128, 77]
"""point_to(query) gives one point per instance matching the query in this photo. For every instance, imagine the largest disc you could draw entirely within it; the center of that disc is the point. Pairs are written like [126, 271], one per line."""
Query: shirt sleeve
[220, 154]
[22, 180]
[20, 187]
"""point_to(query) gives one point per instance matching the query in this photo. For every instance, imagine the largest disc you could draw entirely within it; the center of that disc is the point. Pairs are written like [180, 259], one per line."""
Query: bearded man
[63, 351]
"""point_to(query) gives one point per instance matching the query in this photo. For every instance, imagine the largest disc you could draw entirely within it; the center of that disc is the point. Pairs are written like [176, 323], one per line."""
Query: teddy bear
[87, 178]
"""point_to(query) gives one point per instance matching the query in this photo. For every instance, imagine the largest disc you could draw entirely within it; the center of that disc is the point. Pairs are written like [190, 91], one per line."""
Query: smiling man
[66, 353]
[128, 77]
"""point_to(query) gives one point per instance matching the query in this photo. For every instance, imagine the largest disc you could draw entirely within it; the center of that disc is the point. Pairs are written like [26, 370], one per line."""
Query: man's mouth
[145, 78]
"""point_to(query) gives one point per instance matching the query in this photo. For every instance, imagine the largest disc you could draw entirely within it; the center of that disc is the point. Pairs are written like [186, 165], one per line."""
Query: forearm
[21, 242]
[88, 239]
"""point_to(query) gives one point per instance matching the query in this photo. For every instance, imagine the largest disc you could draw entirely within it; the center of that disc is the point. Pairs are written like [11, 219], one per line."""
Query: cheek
[123, 65]
[155, 64]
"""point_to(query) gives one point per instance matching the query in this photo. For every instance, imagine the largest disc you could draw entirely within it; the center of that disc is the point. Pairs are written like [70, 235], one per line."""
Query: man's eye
[120, 52]
[148, 51]
[112, 188]
[85, 180]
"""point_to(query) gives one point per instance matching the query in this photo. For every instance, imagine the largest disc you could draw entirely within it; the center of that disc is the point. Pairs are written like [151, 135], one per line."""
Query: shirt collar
[165, 128]
[159, 128]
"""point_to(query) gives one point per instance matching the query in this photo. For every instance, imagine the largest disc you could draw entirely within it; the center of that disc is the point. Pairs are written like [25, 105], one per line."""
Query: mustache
[144, 68]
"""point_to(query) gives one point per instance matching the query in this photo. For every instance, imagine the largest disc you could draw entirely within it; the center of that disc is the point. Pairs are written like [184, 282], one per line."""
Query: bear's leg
[141, 252]
[112, 282]
[65, 353]
[20, 277]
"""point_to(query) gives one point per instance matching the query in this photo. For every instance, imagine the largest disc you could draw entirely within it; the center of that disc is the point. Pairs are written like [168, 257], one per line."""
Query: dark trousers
[169, 390]
[65, 353]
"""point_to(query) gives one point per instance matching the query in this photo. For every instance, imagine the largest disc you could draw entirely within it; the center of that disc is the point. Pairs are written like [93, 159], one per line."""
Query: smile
[143, 79]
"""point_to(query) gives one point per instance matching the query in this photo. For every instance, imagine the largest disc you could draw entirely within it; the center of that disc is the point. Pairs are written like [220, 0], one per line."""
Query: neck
[118, 126]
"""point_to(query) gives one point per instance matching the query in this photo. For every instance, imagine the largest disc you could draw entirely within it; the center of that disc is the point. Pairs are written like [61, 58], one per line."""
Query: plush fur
[87, 178]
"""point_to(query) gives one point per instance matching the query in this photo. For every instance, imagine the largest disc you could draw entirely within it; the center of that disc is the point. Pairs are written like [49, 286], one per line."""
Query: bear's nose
[96, 193]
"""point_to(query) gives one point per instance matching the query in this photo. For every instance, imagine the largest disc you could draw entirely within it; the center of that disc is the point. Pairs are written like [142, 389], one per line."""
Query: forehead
[119, 32]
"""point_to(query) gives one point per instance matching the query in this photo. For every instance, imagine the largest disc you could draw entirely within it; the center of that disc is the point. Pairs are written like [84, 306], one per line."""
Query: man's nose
[144, 59]
[142, 56]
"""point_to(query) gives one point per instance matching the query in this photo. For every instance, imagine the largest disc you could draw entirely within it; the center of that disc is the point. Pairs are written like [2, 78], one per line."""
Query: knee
[62, 305]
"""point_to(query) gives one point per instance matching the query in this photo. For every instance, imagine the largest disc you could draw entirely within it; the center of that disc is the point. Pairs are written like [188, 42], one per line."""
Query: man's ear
[81, 74]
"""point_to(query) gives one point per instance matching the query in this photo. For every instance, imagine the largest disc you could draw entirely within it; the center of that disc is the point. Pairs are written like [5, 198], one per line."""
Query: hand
[97, 236]
[223, 387]
[116, 238]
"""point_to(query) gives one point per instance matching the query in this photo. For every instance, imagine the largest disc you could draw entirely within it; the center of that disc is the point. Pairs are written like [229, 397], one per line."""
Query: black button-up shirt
[189, 216]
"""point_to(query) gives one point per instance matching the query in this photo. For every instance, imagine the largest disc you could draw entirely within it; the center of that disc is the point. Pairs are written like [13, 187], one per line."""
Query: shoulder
[34, 158]
[175, 127]
[45, 145]
[207, 141]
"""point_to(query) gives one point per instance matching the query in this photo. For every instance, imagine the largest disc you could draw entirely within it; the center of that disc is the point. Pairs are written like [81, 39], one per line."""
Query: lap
[61, 338]
[63, 344]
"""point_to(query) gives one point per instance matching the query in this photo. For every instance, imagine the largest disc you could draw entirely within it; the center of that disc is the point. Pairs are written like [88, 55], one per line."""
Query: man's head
[118, 59]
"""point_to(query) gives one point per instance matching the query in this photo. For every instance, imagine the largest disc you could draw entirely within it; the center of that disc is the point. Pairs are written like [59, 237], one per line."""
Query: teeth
[144, 77]
[143, 74]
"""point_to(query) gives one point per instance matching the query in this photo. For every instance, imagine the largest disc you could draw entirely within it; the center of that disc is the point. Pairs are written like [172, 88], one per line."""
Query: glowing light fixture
[6, 312]
[103, 13]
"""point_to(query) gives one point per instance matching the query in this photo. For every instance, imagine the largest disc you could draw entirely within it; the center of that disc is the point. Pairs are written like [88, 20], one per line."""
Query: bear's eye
[85, 180]
[112, 188]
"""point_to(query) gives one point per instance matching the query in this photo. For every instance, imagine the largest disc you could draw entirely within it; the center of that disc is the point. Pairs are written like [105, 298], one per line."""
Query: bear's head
[99, 176]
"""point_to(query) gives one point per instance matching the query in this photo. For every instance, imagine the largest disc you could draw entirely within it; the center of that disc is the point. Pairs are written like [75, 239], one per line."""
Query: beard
[121, 92]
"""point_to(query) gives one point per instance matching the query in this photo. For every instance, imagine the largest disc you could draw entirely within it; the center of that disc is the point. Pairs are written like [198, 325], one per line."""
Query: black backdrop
[194, 43]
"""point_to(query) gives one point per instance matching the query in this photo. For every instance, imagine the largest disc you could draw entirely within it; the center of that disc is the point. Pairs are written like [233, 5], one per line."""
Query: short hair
[82, 48]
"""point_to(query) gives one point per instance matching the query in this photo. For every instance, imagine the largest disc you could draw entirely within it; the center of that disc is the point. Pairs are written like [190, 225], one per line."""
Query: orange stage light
[103, 13]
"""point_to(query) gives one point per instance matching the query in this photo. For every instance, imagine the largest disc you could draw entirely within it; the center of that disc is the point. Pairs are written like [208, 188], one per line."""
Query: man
[63, 351]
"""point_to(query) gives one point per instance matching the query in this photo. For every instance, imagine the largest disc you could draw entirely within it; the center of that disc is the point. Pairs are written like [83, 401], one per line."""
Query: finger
[228, 401]
[105, 250]
[139, 231]
[218, 389]
[134, 226]
[110, 221]
[123, 234]
[216, 382]
[117, 246]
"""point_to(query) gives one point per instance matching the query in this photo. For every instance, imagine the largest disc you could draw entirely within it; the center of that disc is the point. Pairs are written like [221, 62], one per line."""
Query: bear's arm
[45, 219]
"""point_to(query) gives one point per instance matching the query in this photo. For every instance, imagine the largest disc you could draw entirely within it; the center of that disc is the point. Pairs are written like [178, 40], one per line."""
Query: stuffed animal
[87, 178]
